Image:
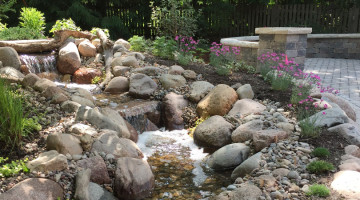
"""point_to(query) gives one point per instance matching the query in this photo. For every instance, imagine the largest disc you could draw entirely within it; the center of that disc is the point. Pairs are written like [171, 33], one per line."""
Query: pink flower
[325, 105]
[289, 105]
[323, 113]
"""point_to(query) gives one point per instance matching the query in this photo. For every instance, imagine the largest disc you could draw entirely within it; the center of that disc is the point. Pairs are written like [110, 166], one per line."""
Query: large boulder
[329, 117]
[125, 43]
[245, 92]
[110, 143]
[48, 161]
[129, 61]
[64, 143]
[99, 173]
[213, 132]
[69, 59]
[246, 131]
[199, 89]
[133, 179]
[34, 189]
[118, 84]
[350, 131]
[87, 49]
[9, 57]
[85, 75]
[229, 156]
[189, 74]
[247, 166]
[264, 138]
[141, 86]
[174, 106]
[11, 72]
[104, 118]
[246, 106]
[218, 102]
[172, 81]
[347, 183]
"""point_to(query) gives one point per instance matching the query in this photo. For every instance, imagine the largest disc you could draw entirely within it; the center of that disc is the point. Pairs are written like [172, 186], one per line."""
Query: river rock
[120, 70]
[247, 166]
[264, 138]
[9, 57]
[266, 180]
[99, 173]
[347, 183]
[117, 85]
[133, 133]
[150, 71]
[96, 42]
[244, 107]
[142, 86]
[82, 185]
[137, 55]
[245, 92]
[288, 127]
[174, 106]
[246, 131]
[82, 101]
[329, 117]
[229, 156]
[41, 84]
[133, 179]
[199, 89]
[110, 143]
[123, 42]
[176, 70]
[246, 191]
[82, 129]
[64, 143]
[34, 189]
[116, 62]
[352, 150]
[172, 81]
[85, 75]
[96, 192]
[70, 106]
[87, 49]
[217, 102]
[129, 61]
[30, 79]
[11, 72]
[189, 74]
[81, 93]
[119, 48]
[51, 91]
[104, 118]
[48, 161]
[213, 132]
[69, 59]
[280, 172]
[350, 131]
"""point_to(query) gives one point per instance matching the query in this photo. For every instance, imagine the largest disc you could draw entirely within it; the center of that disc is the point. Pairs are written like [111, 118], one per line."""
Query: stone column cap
[283, 30]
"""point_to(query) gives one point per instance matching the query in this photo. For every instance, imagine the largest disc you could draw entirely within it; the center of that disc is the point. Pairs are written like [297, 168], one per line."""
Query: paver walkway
[341, 74]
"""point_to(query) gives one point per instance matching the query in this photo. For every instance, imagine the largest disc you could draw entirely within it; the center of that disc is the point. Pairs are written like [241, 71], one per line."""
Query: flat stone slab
[283, 30]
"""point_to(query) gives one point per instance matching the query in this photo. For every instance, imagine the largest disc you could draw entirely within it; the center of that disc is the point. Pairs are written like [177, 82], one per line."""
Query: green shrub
[33, 19]
[184, 59]
[164, 47]
[320, 166]
[105, 30]
[279, 80]
[31, 125]
[318, 190]
[18, 33]
[2, 26]
[240, 65]
[224, 70]
[321, 152]
[13, 168]
[308, 128]
[138, 43]
[64, 24]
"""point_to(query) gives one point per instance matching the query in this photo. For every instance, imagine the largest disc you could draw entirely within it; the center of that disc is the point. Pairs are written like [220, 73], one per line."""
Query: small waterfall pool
[39, 63]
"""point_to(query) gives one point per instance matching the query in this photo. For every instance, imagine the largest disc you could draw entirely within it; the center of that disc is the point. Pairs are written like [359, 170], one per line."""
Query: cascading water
[38, 63]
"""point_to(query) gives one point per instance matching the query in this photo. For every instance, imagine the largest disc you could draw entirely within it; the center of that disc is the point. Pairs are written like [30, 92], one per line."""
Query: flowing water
[39, 63]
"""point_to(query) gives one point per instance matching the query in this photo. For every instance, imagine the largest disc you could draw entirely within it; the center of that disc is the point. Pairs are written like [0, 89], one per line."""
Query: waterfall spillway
[38, 63]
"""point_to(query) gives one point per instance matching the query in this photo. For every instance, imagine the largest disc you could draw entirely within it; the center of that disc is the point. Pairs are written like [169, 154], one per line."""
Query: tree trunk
[37, 46]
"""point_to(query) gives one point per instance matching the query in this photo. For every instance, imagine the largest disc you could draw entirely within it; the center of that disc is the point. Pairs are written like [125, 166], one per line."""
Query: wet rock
[48, 161]
[99, 173]
[244, 107]
[64, 143]
[133, 133]
[30, 79]
[81, 129]
[199, 89]
[34, 189]
[247, 166]
[229, 156]
[245, 92]
[264, 138]
[213, 132]
[9, 57]
[150, 71]
[42, 84]
[133, 179]
[332, 117]
[129, 61]
[246, 131]
[11, 72]
[96, 192]
[347, 183]
[69, 59]
[120, 70]
[217, 102]
[110, 143]
[70, 106]
[85, 75]
[172, 81]
[87, 49]
[117, 85]
[350, 131]
[174, 106]
[123, 42]
[176, 70]
[104, 118]
[189, 74]
[142, 86]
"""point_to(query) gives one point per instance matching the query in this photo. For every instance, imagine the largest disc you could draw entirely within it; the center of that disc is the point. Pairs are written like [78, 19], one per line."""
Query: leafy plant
[96, 80]
[164, 47]
[320, 166]
[138, 43]
[318, 190]
[197, 123]
[2, 26]
[33, 19]
[183, 59]
[240, 65]
[13, 168]
[64, 24]
[31, 125]
[6, 6]
[280, 80]
[308, 128]
[321, 152]
[105, 30]
[18, 33]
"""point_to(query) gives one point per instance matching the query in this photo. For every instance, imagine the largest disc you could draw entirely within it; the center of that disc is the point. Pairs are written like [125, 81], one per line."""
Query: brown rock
[51, 91]
[30, 79]
[87, 49]
[264, 138]
[174, 106]
[133, 133]
[85, 75]
[48, 161]
[118, 84]
[69, 59]
[99, 173]
[121, 70]
[64, 143]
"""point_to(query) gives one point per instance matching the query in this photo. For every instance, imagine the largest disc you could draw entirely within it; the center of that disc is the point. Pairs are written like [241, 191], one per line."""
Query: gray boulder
[172, 81]
[48, 161]
[247, 166]
[129, 61]
[69, 59]
[229, 156]
[141, 86]
[64, 143]
[329, 117]
[189, 74]
[116, 62]
[246, 131]
[11, 72]
[150, 71]
[244, 107]
[118, 84]
[350, 131]
[120, 70]
[30, 79]
[199, 89]
[96, 192]
[9, 57]
[99, 173]
[176, 70]
[82, 185]
[42, 84]
[245, 92]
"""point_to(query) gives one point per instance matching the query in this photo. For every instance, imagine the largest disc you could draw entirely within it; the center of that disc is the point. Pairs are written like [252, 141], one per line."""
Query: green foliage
[321, 152]
[174, 18]
[318, 190]
[6, 6]
[2, 26]
[13, 168]
[197, 123]
[31, 125]
[163, 47]
[224, 70]
[184, 59]
[96, 80]
[94, 30]
[116, 27]
[138, 43]
[18, 33]
[308, 128]
[33, 19]
[320, 166]
[279, 80]
[64, 24]
[242, 66]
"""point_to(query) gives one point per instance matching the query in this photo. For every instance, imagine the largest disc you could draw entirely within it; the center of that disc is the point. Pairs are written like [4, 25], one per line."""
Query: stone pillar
[289, 40]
